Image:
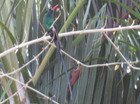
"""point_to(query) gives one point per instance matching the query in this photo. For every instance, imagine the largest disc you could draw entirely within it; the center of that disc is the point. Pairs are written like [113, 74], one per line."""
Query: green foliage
[21, 21]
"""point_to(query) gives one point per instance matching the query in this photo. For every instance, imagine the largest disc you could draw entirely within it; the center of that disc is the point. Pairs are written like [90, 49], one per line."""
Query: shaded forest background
[30, 77]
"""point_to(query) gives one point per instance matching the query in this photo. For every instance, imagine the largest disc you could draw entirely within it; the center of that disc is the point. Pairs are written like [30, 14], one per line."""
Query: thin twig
[117, 49]
[5, 100]
[45, 38]
[14, 94]
[80, 32]
[87, 32]
[13, 49]
[56, 18]
[26, 86]
[97, 65]
[19, 69]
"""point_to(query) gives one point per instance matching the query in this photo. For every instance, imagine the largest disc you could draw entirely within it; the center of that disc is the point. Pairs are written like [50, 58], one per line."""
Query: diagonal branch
[26, 86]
[80, 32]
[115, 47]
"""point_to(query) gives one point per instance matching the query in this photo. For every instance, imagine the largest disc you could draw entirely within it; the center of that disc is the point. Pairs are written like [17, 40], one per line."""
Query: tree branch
[80, 32]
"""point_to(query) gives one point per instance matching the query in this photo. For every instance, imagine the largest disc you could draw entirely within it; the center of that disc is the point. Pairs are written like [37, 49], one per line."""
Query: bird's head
[55, 8]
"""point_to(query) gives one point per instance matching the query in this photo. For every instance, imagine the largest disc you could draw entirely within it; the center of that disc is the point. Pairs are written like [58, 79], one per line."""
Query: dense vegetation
[107, 62]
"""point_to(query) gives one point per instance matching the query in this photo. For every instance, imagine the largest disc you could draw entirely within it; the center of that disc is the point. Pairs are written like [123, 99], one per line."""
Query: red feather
[74, 76]
[55, 8]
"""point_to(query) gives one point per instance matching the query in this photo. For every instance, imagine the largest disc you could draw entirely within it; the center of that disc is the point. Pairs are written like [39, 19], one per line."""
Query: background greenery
[20, 22]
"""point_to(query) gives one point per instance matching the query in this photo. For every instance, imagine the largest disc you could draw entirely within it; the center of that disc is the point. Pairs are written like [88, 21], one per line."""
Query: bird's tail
[57, 42]
[65, 70]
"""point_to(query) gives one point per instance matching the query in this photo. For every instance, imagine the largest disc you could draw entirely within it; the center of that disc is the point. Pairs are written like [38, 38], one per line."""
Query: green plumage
[48, 19]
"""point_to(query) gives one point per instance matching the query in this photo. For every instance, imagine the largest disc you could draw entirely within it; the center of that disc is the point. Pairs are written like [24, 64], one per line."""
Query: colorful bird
[48, 22]
[48, 18]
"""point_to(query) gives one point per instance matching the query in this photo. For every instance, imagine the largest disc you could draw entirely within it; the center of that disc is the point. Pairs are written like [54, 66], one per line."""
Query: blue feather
[52, 32]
